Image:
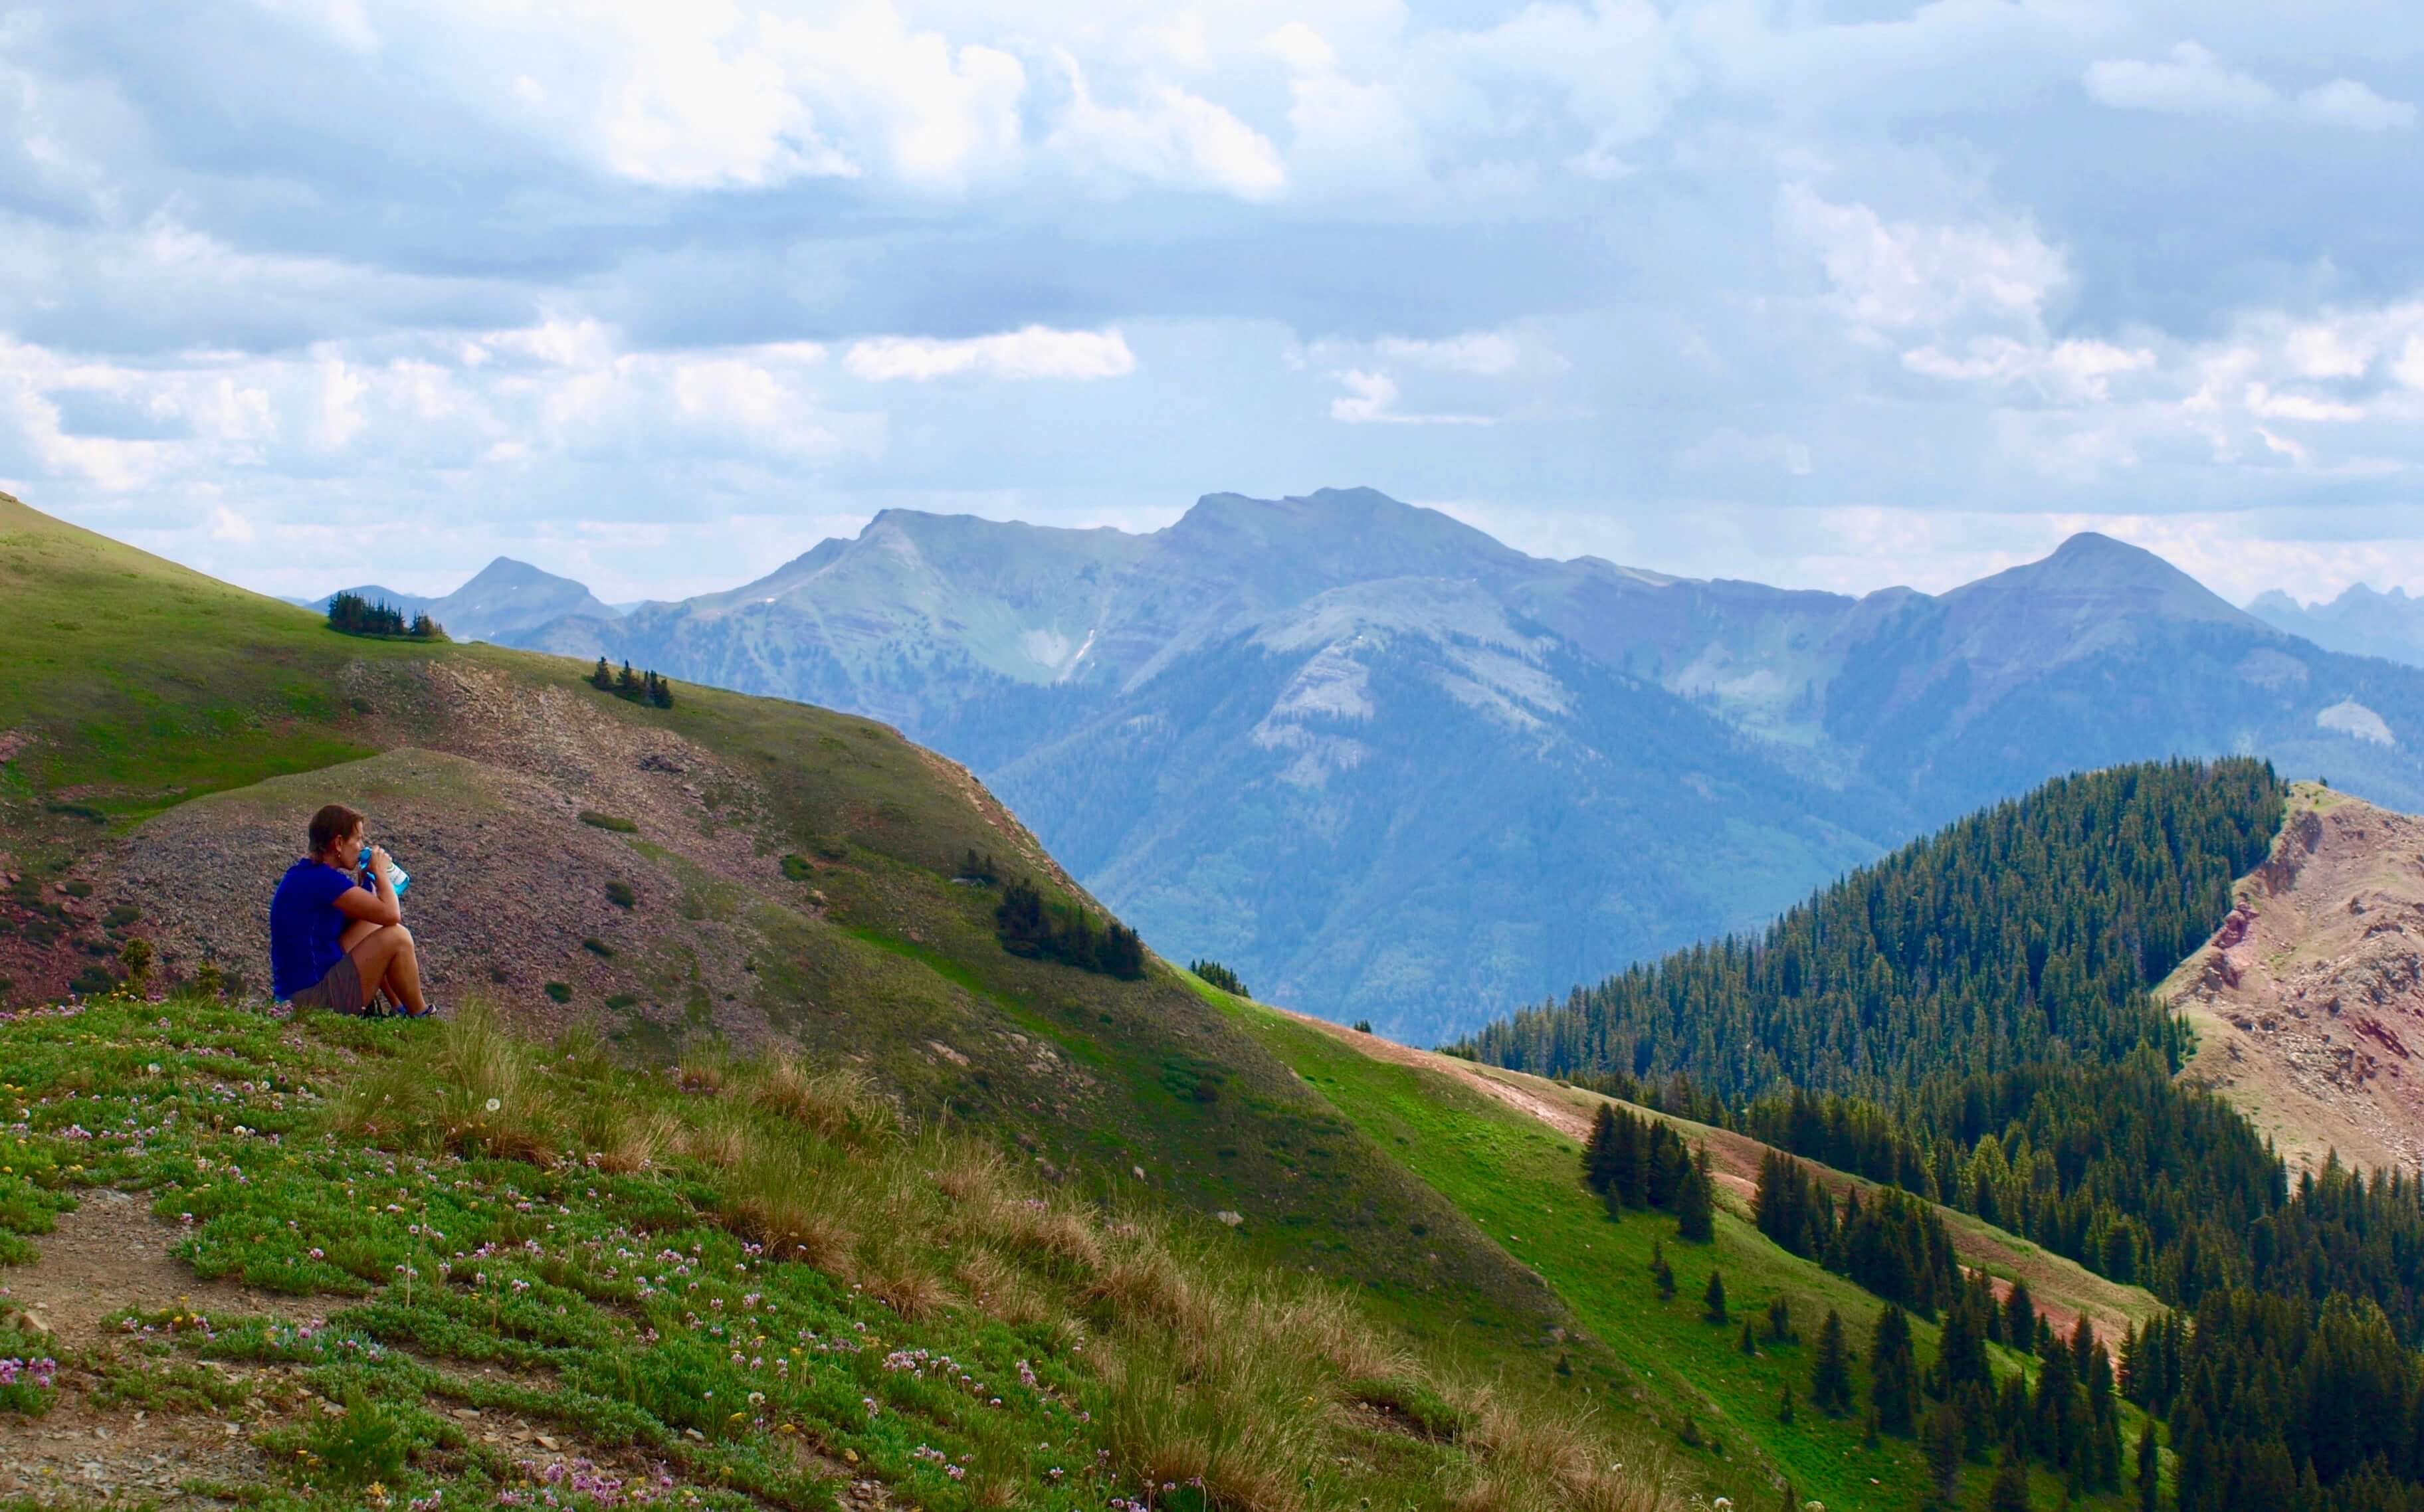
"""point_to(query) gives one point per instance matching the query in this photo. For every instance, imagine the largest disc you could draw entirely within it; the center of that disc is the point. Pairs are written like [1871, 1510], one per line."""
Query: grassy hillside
[786, 875]
[1519, 1179]
[716, 878]
[438, 1264]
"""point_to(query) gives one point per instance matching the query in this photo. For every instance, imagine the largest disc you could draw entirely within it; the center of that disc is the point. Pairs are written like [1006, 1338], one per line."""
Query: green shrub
[608, 821]
[620, 894]
[797, 868]
[561, 992]
[596, 946]
[367, 1443]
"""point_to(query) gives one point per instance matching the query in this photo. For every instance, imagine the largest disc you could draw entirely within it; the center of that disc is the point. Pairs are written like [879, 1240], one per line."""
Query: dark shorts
[339, 991]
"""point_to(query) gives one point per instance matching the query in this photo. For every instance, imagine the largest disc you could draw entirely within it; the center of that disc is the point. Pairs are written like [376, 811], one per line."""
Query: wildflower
[494, 1104]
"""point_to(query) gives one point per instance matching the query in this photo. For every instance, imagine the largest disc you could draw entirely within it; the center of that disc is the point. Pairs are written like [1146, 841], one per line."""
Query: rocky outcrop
[2309, 999]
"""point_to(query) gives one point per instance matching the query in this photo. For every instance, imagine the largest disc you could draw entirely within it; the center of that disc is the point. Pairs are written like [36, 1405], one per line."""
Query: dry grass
[842, 1105]
[1211, 1372]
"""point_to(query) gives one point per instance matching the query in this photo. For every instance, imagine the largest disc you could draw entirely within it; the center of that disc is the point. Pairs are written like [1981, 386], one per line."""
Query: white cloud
[1483, 353]
[2263, 402]
[2081, 369]
[226, 525]
[2191, 81]
[2347, 103]
[1371, 399]
[1300, 48]
[1172, 136]
[1033, 352]
[1911, 274]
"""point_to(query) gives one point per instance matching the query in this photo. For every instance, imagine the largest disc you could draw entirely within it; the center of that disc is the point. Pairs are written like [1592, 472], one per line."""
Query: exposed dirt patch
[2308, 1001]
[77, 1456]
[111, 1253]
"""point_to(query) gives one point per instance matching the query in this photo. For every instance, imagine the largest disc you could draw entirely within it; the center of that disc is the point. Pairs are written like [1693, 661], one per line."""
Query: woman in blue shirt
[334, 943]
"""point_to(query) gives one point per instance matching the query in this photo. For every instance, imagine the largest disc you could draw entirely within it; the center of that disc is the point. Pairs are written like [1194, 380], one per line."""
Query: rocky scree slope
[2308, 1001]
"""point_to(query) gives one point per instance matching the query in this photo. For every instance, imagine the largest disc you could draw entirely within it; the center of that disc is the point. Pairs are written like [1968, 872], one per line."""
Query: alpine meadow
[1301, 756]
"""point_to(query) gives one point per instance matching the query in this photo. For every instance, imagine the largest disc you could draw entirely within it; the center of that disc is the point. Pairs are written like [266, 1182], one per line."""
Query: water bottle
[403, 878]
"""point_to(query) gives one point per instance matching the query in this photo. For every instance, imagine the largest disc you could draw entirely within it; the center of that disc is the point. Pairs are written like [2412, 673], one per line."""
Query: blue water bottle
[403, 878]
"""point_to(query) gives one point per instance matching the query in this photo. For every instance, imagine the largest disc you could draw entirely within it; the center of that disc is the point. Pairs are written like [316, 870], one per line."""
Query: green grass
[746, 1283]
[1519, 1180]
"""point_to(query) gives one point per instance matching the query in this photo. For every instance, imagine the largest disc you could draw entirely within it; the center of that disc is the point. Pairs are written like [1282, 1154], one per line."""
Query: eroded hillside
[2309, 1000]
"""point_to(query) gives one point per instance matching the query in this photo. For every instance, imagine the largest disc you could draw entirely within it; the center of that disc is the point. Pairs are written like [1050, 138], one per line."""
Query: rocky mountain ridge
[1234, 728]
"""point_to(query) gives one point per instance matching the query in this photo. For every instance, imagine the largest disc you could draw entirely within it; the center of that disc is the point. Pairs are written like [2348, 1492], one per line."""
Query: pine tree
[1780, 1320]
[1893, 1385]
[1661, 1272]
[1599, 1150]
[1784, 1415]
[2021, 1318]
[603, 679]
[1712, 1300]
[1943, 1440]
[1748, 1344]
[1695, 1206]
[2149, 1469]
[1830, 1368]
[2010, 1490]
[626, 684]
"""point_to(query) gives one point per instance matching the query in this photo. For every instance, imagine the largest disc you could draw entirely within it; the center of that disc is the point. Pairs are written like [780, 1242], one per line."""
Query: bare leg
[350, 940]
[385, 958]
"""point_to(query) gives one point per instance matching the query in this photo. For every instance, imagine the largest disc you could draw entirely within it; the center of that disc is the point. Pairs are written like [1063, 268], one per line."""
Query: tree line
[352, 614]
[1970, 1020]
[1065, 933]
[641, 688]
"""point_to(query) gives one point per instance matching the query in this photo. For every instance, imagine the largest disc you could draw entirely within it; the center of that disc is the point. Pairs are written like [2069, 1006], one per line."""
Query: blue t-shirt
[304, 925]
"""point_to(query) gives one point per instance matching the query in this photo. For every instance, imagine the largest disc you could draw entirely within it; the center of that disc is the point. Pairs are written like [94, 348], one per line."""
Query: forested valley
[1970, 1020]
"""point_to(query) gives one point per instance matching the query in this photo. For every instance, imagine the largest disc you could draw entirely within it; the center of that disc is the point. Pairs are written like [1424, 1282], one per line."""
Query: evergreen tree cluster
[1220, 977]
[2026, 934]
[1892, 1244]
[1066, 933]
[642, 688]
[1637, 1162]
[352, 614]
[1971, 1021]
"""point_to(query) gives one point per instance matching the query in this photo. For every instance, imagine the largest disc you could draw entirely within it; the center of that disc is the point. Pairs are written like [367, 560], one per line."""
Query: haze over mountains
[1388, 767]
[2360, 622]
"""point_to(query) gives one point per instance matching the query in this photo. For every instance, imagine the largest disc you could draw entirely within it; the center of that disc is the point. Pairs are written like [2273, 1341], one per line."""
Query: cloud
[1300, 48]
[2190, 81]
[2347, 103]
[1172, 136]
[1371, 399]
[1906, 274]
[1484, 353]
[2081, 369]
[1033, 352]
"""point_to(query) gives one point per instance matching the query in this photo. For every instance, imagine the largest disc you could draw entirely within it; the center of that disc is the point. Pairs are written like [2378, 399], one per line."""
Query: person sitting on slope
[335, 943]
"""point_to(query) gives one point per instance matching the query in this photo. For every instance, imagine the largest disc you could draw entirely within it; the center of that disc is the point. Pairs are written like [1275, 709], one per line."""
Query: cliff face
[2309, 1000]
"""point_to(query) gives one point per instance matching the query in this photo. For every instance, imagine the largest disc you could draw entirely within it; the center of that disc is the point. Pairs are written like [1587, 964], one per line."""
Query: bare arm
[380, 907]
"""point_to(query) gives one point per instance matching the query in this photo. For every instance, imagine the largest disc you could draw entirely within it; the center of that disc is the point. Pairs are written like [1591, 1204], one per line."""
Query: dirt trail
[2061, 1290]
[2308, 1002]
[109, 1254]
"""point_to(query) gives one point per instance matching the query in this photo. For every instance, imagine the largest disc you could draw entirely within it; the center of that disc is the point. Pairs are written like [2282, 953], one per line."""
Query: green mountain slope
[1518, 1177]
[788, 875]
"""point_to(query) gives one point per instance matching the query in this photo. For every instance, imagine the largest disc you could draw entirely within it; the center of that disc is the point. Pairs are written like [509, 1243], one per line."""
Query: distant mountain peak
[2104, 578]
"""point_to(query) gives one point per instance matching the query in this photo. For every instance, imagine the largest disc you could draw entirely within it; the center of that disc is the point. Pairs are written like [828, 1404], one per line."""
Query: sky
[308, 293]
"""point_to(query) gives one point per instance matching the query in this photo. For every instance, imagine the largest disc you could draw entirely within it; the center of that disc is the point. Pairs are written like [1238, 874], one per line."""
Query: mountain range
[1390, 769]
[2360, 622]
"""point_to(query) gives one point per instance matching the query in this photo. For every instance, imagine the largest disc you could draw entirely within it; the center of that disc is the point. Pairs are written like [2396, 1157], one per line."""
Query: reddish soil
[2309, 1000]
